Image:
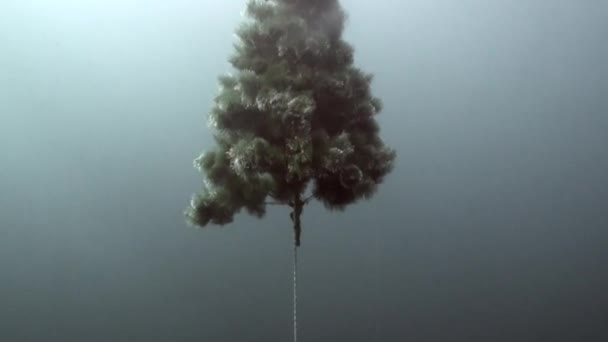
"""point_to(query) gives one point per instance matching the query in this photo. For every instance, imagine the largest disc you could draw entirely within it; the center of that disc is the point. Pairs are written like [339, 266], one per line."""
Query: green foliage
[297, 111]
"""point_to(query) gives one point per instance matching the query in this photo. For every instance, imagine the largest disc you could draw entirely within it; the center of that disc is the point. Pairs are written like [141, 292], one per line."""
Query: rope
[295, 293]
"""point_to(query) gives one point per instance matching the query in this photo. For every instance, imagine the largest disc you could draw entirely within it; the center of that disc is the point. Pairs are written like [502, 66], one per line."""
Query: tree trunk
[295, 293]
[298, 206]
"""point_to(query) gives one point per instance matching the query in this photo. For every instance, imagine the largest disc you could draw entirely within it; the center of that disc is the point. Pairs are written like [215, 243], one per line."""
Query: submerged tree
[296, 112]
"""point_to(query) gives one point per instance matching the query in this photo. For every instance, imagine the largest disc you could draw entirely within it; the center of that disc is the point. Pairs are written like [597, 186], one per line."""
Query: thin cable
[295, 293]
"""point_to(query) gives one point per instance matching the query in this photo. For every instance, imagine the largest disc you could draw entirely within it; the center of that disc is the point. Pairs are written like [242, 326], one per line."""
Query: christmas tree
[295, 114]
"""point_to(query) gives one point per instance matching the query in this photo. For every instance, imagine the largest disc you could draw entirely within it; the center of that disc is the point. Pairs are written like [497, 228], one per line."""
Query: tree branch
[308, 199]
